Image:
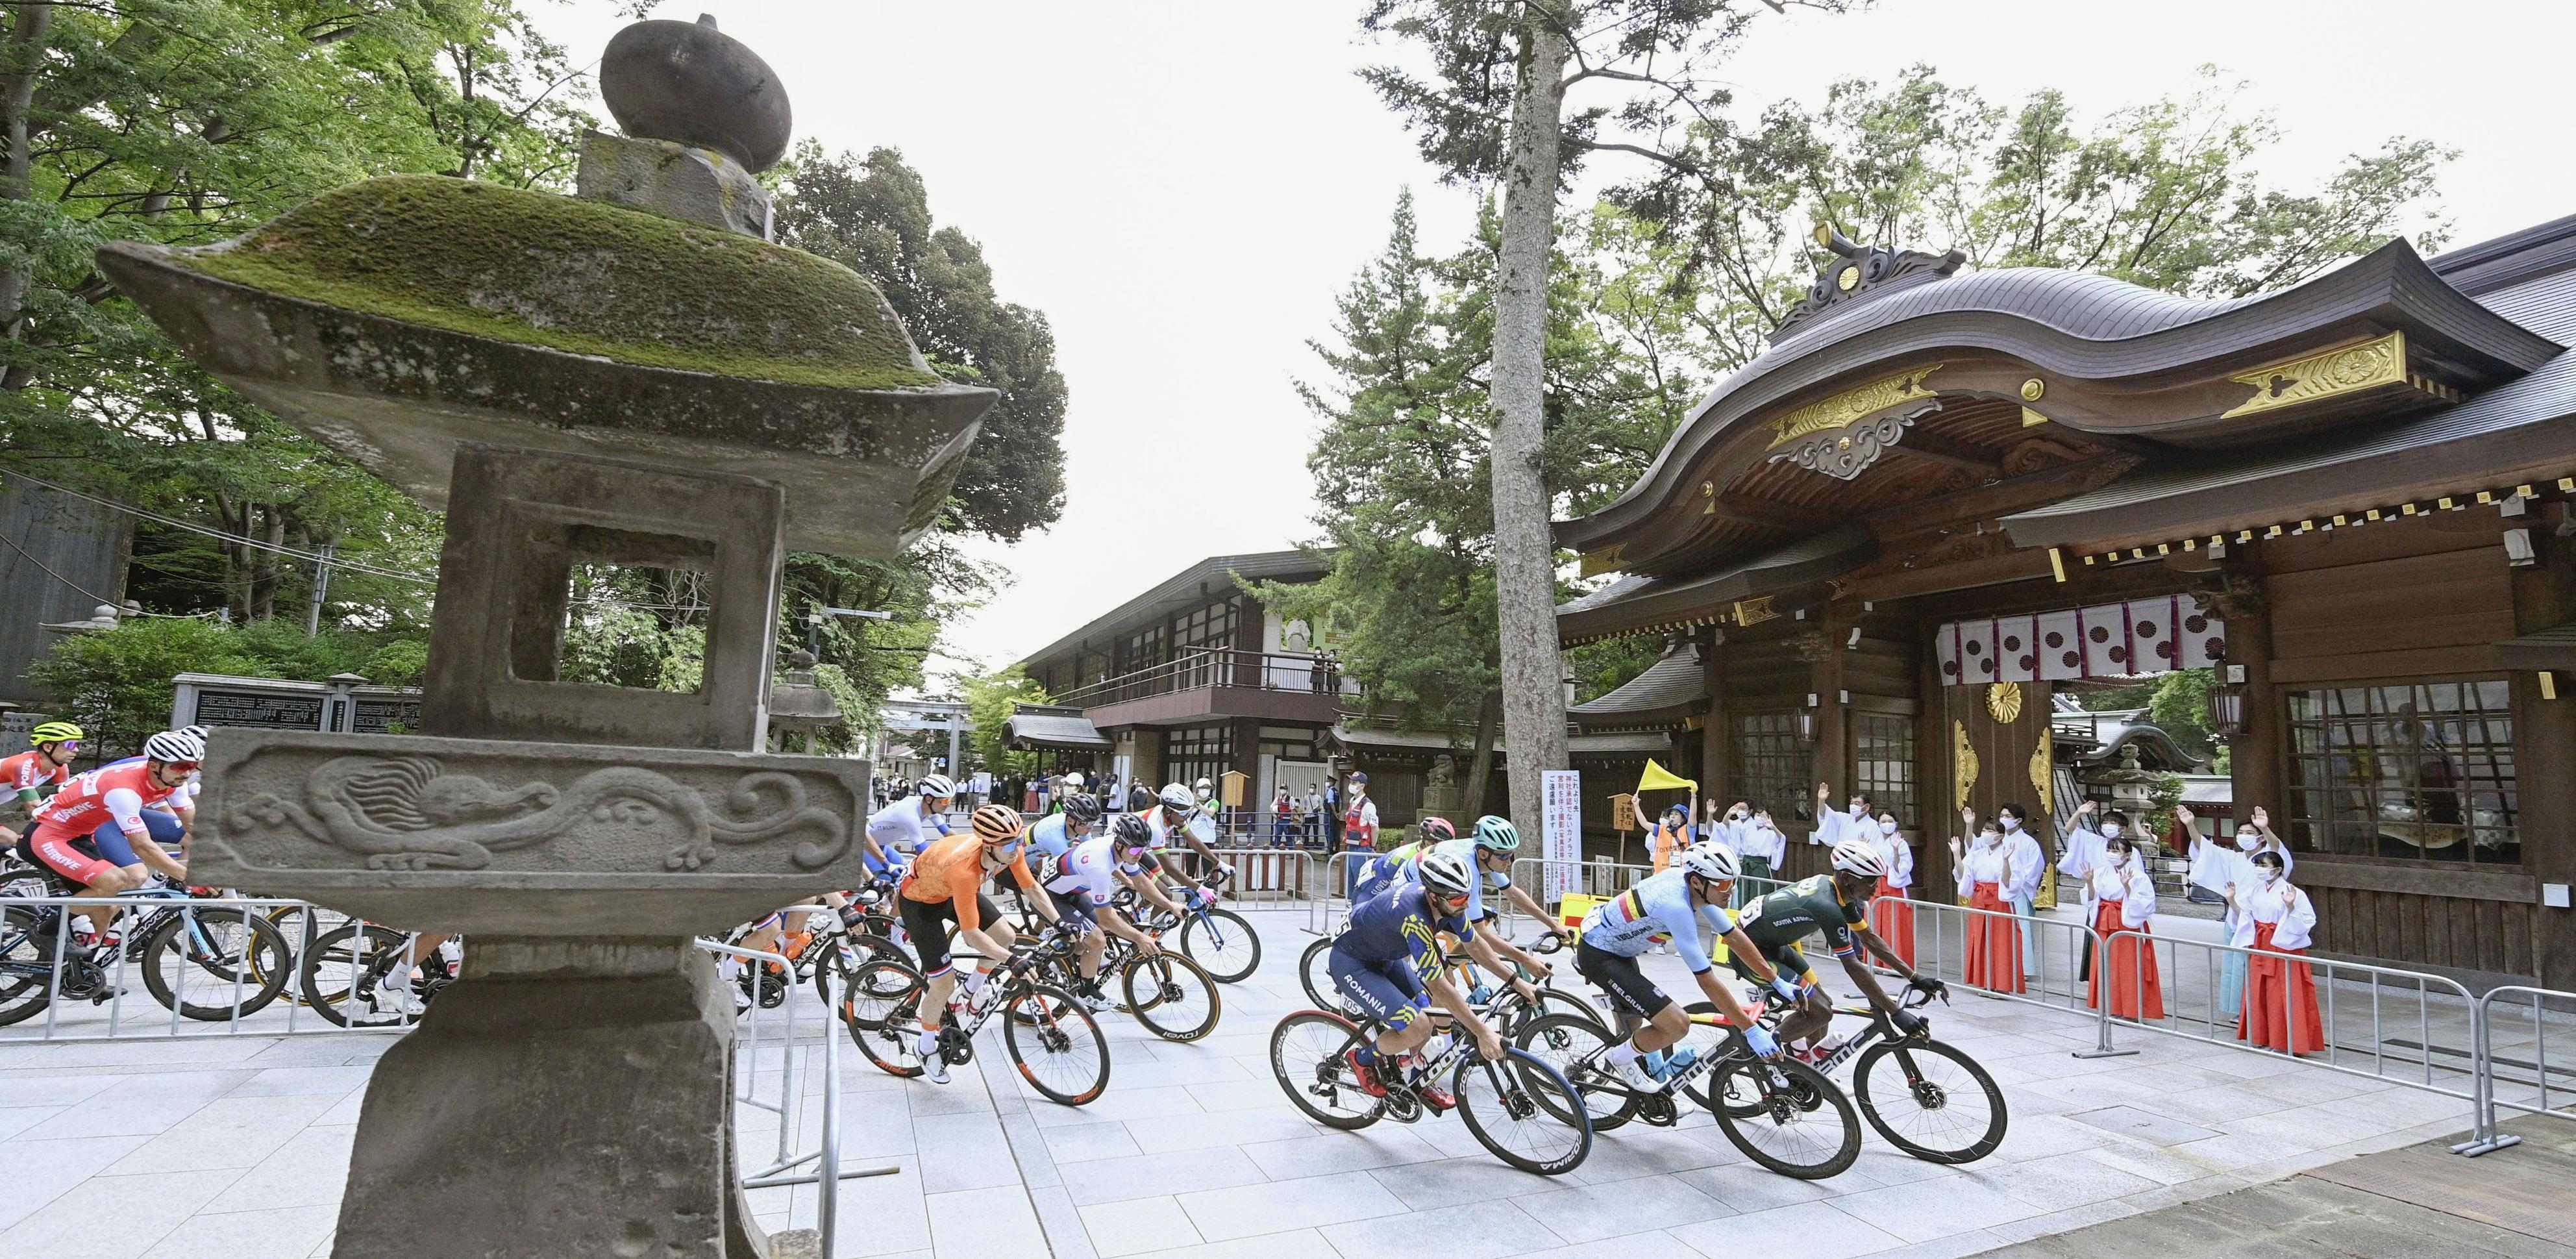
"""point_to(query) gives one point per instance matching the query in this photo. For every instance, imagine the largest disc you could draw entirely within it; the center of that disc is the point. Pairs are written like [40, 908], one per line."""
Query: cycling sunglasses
[184, 767]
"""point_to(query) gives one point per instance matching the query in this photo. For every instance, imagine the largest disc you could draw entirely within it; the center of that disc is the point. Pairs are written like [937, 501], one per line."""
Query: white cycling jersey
[1090, 867]
[1658, 907]
[900, 827]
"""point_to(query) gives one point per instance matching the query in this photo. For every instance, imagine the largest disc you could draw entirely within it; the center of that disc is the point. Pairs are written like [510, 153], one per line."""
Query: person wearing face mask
[1859, 822]
[1895, 912]
[2123, 896]
[1985, 868]
[2086, 838]
[1760, 847]
[2217, 863]
[1672, 835]
[2030, 865]
[2274, 919]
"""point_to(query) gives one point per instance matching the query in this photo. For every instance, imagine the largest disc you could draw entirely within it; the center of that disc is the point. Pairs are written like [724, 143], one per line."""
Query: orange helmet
[998, 823]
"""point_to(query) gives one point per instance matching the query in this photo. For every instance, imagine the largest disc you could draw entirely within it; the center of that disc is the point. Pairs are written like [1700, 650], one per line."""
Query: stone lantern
[632, 375]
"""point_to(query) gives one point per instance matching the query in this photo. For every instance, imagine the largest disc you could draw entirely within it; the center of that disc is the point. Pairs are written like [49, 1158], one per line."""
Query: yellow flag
[1658, 778]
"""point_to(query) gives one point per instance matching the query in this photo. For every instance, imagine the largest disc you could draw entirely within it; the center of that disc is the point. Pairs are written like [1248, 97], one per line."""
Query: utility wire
[309, 557]
[49, 572]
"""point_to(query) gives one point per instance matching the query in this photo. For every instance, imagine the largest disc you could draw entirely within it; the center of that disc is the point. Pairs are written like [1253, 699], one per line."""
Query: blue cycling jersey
[1405, 862]
[1399, 925]
[1658, 907]
[1048, 836]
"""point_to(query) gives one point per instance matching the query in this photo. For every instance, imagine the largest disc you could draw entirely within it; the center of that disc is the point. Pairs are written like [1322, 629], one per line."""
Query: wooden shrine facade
[1937, 497]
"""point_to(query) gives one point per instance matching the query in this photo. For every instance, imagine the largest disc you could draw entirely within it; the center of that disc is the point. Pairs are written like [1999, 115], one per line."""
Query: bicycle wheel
[1708, 1035]
[893, 1046]
[863, 950]
[1794, 1132]
[1315, 975]
[1223, 943]
[1555, 1001]
[1173, 997]
[26, 971]
[1522, 1110]
[1060, 1050]
[1567, 1043]
[880, 992]
[211, 964]
[1309, 1053]
[1930, 1100]
[342, 968]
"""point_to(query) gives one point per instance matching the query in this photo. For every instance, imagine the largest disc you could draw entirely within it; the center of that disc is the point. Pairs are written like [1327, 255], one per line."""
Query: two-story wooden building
[1937, 495]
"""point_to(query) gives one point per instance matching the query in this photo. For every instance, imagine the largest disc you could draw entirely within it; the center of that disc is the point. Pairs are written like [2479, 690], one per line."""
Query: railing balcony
[1207, 668]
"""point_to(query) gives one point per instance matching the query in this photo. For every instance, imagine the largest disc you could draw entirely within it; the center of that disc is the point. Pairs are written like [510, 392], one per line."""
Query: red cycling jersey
[29, 770]
[120, 792]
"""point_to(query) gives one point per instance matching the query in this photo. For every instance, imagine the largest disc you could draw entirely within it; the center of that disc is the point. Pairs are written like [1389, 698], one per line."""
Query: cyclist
[1057, 833]
[1838, 905]
[1178, 813]
[1082, 881]
[59, 841]
[945, 887]
[1668, 906]
[900, 829]
[31, 776]
[1388, 961]
[1489, 854]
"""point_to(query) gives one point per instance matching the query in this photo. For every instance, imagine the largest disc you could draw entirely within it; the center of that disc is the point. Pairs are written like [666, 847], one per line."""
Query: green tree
[872, 214]
[118, 683]
[990, 700]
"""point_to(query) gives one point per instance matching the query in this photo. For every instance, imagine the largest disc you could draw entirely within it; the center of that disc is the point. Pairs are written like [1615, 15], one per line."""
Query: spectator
[2274, 919]
[1895, 922]
[1985, 869]
[1359, 827]
[1672, 834]
[1314, 815]
[1282, 817]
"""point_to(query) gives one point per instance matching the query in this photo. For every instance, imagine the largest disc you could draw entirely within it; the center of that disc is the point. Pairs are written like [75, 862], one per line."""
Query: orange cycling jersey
[953, 870]
[29, 770]
[120, 792]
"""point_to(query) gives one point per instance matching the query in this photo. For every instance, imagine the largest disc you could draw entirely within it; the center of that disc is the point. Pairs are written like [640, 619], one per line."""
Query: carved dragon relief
[407, 813]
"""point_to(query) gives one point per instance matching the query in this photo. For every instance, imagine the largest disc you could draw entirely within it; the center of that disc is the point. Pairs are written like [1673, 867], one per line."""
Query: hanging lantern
[2226, 711]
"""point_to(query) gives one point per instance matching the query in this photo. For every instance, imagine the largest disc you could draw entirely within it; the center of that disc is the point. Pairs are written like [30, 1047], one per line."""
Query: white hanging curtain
[2140, 636]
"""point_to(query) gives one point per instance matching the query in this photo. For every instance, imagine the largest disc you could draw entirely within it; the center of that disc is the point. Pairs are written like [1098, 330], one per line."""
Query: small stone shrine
[633, 375]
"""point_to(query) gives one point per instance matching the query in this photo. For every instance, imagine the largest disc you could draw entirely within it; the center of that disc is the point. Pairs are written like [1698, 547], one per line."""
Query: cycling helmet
[1178, 797]
[935, 787]
[1497, 833]
[997, 824]
[174, 746]
[1083, 809]
[1435, 830]
[1444, 873]
[1711, 860]
[199, 731]
[1131, 831]
[58, 732]
[1859, 856]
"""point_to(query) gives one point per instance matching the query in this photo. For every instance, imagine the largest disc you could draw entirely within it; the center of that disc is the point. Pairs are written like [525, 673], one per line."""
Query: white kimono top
[2290, 911]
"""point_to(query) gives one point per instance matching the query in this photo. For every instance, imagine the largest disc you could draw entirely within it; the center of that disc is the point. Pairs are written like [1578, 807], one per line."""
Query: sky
[1184, 187]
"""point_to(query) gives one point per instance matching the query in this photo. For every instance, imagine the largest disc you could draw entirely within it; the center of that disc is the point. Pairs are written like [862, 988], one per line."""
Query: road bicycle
[207, 964]
[1221, 941]
[1054, 1042]
[1174, 997]
[1315, 975]
[1519, 1107]
[341, 975]
[1926, 1097]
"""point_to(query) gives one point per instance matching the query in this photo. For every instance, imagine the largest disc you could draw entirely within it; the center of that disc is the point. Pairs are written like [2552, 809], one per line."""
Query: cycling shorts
[1074, 906]
[1386, 991]
[929, 924]
[1788, 959]
[112, 845]
[72, 856]
[1621, 977]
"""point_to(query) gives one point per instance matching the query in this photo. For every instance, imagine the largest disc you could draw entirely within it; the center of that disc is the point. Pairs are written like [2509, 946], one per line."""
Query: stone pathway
[237, 1147]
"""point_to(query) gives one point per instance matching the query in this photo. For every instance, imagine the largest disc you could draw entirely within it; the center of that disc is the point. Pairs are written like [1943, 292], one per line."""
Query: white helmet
[1073, 779]
[1444, 872]
[1859, 856]
[174, 745]
[935, 787]
[1178, 797]
[1711, 860]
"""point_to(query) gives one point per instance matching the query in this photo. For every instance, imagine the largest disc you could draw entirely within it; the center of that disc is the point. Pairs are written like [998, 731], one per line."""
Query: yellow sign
[1231, 792]
[1623, 813]
[1571, 911]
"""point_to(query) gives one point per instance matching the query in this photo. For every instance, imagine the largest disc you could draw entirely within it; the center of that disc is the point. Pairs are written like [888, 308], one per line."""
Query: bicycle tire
[1315, 975]
[26, 985]
[1911, 1099]
[890, 1047]
[245, 978]
[1565, 1042]
[1224, 934]
[1309, 1047]
[879, 992]
[1558, 1001]
[354, 952]
[1063, 1029]
[864, 948]
[1160, 993]
[1792, 1093]
[1526, 1091]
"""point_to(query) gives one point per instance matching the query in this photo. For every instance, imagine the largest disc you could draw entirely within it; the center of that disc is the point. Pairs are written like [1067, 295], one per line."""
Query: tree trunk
[1480, 760]
[26, 52]
[1524, 550]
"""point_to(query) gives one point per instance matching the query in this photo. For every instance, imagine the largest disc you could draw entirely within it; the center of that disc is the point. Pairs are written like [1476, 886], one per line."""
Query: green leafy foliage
[118, 683]
[990, 700]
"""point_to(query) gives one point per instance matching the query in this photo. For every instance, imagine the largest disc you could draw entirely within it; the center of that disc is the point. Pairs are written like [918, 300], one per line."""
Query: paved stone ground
[237, 1147]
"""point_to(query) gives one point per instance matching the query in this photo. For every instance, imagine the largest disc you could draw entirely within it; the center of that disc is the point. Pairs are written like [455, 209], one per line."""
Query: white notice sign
[1560, 801]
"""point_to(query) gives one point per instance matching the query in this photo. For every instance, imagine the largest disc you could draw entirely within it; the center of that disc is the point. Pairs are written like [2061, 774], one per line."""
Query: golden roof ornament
[1857, 272]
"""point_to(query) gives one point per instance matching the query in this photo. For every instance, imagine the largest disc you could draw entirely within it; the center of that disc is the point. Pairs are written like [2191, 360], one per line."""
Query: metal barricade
[2532, 1090]
[211, 989]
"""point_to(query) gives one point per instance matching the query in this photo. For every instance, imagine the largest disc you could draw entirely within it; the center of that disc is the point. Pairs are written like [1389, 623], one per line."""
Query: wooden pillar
[2544, 737]
[1934, 782]
[1821, 649]
[2256, 765]
[1716, 763]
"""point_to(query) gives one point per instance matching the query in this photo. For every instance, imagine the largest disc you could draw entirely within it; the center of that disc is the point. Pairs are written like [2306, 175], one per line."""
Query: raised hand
[2262, 820]
[2085, 809]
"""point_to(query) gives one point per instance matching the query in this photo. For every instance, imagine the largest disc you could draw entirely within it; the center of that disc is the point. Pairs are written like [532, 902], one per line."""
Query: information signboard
[1561, 822]
[268, 712]
[387, 716]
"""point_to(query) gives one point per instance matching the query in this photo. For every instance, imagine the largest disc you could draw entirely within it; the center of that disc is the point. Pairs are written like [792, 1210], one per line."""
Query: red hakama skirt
[1994, 942]
[2280, 999]
[1894, 921]
[2135, 984]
